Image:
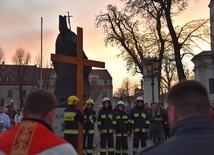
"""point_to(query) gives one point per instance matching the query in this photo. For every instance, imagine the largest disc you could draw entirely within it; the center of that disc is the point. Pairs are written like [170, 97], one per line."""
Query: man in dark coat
[192, 129]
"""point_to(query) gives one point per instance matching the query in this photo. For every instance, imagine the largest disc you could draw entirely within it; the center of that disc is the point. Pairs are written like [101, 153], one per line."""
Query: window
[10, 93]
[23, 93]
[25, 79]
[105, 82]
[10, 78]
[94, 82]
[105, 94]
[211, 86]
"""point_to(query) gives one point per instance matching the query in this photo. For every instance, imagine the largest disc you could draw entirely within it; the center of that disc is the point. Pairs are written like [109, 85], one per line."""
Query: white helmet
[106, 99]
[120, 103]
[139, 99]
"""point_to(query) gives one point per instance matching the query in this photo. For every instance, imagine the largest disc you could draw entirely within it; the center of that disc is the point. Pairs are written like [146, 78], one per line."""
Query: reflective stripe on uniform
[70, 131]
[118, 117]
[121, 134]
[135, 150]
[69, 116]
[89, 151]
[136, 115]
[147, 122]
[110, 116]
[110, 149]
[138, 130]
[89, 131]
[103, 116]
[125, 117]
[103, 150]
[117, 151]
[125, 151]
[143, 115]
[99, 123]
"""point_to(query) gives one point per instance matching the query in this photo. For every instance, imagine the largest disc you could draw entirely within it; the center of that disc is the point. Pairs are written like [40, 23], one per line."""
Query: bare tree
[48, 77]
[142, 29]
[127, 90]
[181, 37]
[21, 59]
[123, 32]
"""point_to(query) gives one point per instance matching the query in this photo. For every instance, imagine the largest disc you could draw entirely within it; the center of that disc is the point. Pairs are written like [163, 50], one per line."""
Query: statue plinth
[58, 126]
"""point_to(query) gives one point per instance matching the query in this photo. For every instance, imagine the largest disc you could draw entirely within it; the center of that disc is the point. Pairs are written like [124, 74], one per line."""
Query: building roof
[202, 54]
[100, 73]
[12, 70]
[33, 74]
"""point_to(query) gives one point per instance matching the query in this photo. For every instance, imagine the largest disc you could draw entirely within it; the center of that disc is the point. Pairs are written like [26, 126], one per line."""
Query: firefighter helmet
[72, 100]
[106, 99]
[120, 103]
[139, 99]
[89, 101]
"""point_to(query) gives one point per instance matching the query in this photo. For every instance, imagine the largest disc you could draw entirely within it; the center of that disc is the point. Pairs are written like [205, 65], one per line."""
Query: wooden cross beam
[80, 62]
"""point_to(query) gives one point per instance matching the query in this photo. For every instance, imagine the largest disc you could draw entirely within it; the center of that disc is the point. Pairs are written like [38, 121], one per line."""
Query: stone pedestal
[58, 122]
[58, 126]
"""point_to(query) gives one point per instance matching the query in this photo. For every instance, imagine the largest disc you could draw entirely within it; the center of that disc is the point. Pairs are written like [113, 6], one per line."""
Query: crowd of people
[7, 119]
[189, 118]
[141, 122]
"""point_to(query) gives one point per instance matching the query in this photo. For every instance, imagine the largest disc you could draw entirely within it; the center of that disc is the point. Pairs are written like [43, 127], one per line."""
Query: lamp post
[152, 65]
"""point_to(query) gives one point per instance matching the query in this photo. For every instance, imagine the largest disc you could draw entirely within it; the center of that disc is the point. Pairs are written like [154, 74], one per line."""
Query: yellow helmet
[88, 101]
[72, 100]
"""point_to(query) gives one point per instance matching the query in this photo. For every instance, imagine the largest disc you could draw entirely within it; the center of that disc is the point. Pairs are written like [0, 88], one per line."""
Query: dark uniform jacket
[189, 136]
[72, 116]
[122, 126]
[105, 120]
[139, 119]
[90, 117]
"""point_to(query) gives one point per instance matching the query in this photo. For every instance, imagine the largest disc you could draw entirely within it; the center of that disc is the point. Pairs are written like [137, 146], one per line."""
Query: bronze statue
[66, 84]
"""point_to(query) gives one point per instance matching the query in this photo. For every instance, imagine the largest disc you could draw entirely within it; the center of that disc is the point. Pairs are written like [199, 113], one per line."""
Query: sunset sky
[20, 26]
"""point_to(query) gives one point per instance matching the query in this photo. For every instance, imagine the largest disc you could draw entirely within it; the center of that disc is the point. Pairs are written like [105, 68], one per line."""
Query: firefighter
[72, 116]
[122, 128]
[140, 124]
[105, 124]
[89, 120]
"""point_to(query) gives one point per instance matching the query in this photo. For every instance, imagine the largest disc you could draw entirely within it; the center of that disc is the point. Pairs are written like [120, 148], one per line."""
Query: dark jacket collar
[194, 124]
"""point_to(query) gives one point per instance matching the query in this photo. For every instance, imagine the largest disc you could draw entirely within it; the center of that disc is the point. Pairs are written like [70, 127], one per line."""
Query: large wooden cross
[80, 62]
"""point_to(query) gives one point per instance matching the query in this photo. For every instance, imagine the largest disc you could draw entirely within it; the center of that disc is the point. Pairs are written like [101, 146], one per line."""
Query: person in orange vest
[33, 135]
[72, 116]
[90, 117]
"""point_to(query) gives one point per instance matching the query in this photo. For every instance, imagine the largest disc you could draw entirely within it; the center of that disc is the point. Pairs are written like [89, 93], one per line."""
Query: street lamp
[152, 65]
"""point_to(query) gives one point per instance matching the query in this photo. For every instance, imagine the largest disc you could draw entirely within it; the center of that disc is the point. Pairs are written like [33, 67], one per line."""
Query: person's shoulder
[6, 116]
